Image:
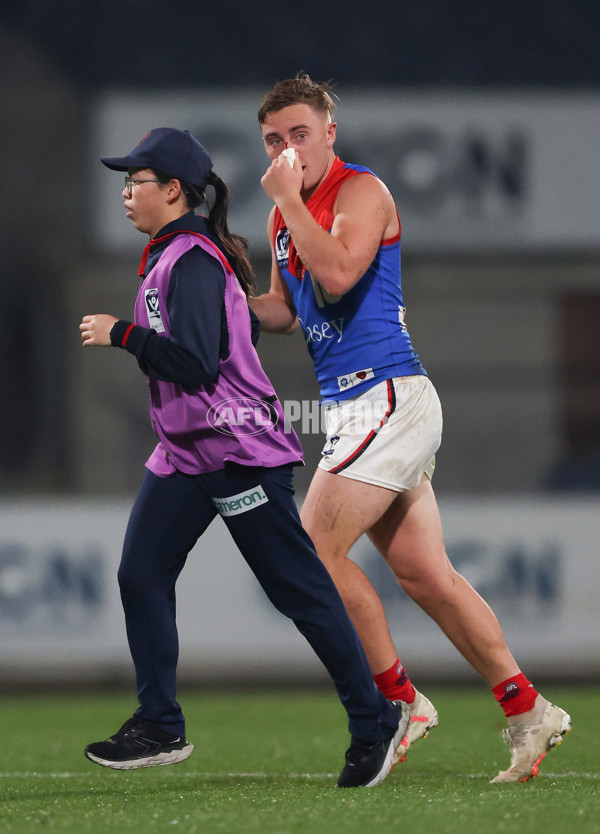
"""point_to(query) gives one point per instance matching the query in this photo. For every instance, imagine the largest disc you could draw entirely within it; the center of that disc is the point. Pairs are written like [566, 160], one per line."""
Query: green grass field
[268, 763]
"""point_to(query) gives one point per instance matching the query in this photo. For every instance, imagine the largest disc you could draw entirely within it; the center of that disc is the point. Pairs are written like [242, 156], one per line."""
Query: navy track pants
[168, 518]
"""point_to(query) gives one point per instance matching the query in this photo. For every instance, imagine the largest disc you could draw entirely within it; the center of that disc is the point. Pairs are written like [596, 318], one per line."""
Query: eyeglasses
[130, 182]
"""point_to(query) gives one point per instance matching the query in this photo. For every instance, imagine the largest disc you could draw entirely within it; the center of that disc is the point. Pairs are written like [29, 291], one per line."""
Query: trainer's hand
[281, 180]
[95, 330]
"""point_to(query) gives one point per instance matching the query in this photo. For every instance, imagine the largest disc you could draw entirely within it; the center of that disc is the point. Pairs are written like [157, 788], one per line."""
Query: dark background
[415, 43]
[55, 56]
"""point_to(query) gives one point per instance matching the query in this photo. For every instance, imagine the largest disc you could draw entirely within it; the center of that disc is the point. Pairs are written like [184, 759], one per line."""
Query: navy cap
[173, 152]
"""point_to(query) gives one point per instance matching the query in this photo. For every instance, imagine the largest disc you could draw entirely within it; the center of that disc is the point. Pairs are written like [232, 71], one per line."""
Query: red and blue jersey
[359, 338]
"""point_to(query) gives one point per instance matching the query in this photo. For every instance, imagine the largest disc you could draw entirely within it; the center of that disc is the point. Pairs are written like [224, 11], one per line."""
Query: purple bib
[238, 418]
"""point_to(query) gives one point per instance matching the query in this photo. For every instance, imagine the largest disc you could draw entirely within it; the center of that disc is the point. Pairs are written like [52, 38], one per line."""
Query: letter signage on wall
[535, 561]
[510, 171]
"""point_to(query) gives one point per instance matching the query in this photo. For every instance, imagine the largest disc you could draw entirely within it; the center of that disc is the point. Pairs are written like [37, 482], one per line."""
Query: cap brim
[121, 163]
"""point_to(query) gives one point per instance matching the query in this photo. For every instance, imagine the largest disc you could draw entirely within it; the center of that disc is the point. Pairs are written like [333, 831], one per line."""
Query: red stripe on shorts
[372, 434]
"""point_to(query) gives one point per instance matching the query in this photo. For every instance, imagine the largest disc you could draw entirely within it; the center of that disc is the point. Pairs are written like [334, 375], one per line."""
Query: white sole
[172, 757]
[395, 743]
[385, 767]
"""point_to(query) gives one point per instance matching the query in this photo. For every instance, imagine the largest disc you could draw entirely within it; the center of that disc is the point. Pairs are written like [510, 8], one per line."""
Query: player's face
[144, 201]
[310, 132]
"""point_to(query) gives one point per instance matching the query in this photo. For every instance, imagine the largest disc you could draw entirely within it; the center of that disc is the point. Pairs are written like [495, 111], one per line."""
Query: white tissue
[290, 154]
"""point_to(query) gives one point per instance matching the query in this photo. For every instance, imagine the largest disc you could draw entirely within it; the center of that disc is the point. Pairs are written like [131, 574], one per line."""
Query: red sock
[395, 684]
[515, 695]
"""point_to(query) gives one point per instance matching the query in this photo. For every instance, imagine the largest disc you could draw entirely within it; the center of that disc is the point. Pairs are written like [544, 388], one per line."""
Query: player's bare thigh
[409, 536]
[338, 510]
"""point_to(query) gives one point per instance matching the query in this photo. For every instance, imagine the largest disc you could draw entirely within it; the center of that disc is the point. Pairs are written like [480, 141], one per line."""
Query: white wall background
[535, 561]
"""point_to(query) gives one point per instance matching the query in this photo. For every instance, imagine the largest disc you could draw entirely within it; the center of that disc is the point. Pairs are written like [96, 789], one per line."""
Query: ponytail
[234, 246]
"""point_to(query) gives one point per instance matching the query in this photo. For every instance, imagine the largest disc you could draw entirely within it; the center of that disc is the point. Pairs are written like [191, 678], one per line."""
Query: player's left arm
[364, 215]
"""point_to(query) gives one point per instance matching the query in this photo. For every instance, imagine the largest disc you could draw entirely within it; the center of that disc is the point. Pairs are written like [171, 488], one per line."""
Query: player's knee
[427, 590]
[335, 559]
[126, 580]
[131, 580]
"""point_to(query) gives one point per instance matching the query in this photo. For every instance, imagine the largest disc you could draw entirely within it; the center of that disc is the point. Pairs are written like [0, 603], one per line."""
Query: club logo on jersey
[153, 310]
[243, 502]
[282, 248]
[350, 380]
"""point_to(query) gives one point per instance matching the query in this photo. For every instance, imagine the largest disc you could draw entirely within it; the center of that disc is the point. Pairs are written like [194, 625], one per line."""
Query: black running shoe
[368, 764]
[139, 743]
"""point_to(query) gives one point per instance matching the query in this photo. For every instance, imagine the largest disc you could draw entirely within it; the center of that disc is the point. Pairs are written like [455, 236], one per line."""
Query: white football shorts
[386, 436]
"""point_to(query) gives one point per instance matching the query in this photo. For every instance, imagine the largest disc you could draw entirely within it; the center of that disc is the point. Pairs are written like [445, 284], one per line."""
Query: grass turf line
[268, 764]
